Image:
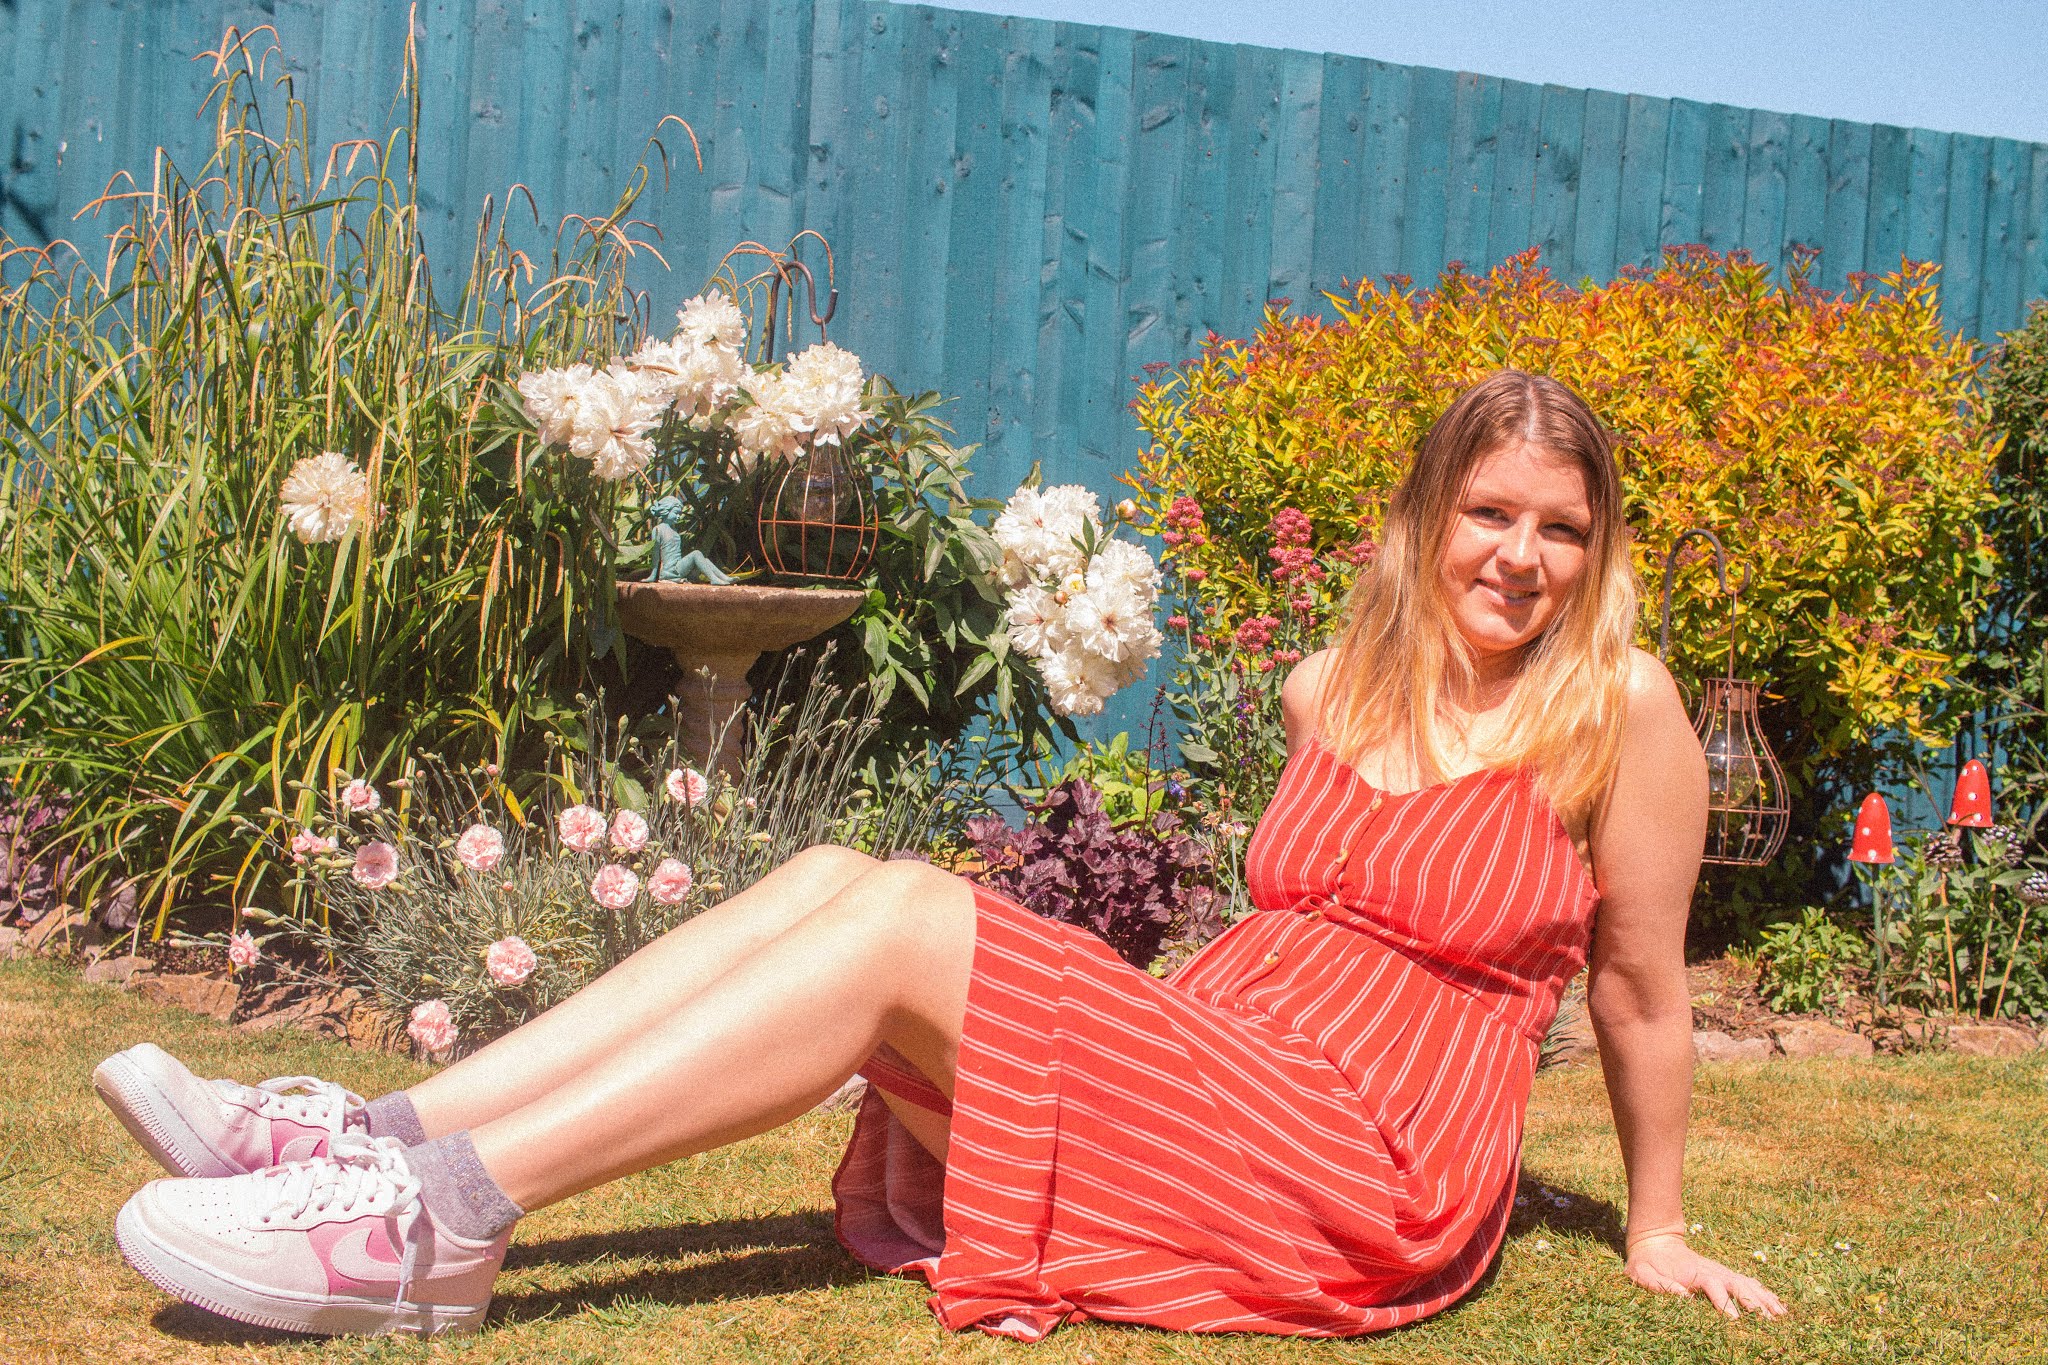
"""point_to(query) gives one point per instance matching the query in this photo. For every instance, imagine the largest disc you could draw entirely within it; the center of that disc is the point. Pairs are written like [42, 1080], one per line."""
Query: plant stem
[1984, 949]
[2012, 957]
[1949, 938]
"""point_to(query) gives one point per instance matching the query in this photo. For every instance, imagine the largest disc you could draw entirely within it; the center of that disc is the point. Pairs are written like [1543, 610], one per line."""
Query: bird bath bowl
[716, 632]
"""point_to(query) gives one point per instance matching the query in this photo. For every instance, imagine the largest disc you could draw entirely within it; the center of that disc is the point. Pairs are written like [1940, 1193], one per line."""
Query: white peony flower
[713, 319]
[1086, 619]
[697, 380]
[616, 412]
[1074, 692]
[768, 426]
[1131, 667]
[551, 398]
[816, 397]
[1127, 568]
[324, 497]
[1107, 621]
[830, 387]
[1040, 530]
[1038, 624]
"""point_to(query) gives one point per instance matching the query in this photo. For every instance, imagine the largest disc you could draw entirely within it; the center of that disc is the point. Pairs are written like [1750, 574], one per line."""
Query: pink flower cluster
[615, 886]
[242, 950]
[629, 831]
[306, 844]
[432, 1026]
[670, 881]
[510, 961]
[1291, 553]
[582, 828]
[376, 866]
[688, 786]
[359, 797]
[480, 848]
[1184, 523]
[1256, 632]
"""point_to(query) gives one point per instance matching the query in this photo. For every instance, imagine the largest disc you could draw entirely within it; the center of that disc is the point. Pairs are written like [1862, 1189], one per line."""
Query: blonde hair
[1399, 654]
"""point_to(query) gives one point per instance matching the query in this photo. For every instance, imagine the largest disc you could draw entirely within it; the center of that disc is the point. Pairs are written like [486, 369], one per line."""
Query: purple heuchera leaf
[1071, 863]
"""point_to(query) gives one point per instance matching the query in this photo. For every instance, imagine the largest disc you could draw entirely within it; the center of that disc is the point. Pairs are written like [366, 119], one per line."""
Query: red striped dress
[1313, 1128]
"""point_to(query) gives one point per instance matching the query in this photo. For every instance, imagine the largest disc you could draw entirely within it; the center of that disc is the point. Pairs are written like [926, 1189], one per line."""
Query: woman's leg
[887, 959]
[600, 1020]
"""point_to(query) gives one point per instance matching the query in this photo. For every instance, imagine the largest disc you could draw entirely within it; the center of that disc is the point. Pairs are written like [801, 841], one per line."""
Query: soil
[1725, 1000]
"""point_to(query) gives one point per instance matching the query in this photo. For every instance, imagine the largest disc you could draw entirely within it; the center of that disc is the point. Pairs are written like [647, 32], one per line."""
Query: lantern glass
[817, 517]
[1747, 814]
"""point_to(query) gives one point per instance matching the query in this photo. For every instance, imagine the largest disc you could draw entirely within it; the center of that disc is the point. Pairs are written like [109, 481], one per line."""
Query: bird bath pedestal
[716, 632]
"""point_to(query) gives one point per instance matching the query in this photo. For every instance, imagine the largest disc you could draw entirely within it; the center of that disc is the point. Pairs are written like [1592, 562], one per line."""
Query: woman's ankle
[393, 1116]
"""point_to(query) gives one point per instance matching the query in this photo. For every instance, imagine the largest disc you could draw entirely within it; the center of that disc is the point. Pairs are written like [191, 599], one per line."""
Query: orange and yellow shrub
[1837, 444]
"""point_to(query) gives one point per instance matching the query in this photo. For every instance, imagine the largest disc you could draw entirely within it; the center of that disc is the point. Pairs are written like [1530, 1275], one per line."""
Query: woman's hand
[1665, 1263]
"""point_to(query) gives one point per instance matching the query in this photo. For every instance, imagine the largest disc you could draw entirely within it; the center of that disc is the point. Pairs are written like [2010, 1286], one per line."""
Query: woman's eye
[1488, 514]
[1567, 531]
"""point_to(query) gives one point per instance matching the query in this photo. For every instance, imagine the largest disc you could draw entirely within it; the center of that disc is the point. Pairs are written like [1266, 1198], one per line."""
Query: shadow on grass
[786, 1253]
[1544, 1207]
[781, 1254]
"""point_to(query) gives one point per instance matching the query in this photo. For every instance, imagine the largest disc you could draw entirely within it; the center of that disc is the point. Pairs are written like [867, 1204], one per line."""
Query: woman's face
[1516, 547]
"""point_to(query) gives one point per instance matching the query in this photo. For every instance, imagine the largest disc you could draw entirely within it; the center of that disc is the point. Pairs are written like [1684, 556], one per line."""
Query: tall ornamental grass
[173, 655]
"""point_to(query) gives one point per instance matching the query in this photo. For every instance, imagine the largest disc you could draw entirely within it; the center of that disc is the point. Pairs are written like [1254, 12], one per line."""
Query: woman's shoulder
[1305, 677]
[1300, 701]
[1651, 688]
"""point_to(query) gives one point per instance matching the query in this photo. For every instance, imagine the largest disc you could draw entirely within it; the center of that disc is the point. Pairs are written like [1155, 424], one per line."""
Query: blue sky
[1966, 66]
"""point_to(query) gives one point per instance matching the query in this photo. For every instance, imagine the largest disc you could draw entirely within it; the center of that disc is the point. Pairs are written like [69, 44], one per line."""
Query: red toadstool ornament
[1972, 804]
[1873, 832]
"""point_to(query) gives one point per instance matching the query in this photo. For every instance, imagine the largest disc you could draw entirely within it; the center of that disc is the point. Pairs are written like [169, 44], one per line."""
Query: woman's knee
[912, 898]
[830, 867]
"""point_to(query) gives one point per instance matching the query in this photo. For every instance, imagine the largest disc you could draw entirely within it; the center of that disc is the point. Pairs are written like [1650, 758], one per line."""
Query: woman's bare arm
[1298, 698]
[1646, 855]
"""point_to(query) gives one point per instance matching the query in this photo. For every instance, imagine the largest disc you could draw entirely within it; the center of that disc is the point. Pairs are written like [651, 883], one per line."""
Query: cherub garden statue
[673, 563]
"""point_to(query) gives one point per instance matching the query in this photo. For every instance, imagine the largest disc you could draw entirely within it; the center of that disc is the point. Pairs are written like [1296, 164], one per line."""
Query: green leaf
[976, 671]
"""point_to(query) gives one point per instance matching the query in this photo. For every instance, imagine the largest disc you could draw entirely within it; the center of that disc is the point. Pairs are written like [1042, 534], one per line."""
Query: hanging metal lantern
[817, 517]
[1747, 809]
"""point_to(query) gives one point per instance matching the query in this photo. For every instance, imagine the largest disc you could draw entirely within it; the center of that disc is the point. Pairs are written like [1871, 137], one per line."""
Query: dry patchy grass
[1930, 1169]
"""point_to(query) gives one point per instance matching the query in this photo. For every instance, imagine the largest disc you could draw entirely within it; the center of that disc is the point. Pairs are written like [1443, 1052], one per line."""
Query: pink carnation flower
[629, 831]
[671, 881]
[614, 887]
[359, 797]
[306, 844]
[432, 1027]
[376, 865]
[242, 950]
[510, 961]
[581, 828]
[480, 848]
[688, 786]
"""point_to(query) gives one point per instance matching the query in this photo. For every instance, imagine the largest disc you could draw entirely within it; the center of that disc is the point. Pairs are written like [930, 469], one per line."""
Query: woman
[1314, 1128]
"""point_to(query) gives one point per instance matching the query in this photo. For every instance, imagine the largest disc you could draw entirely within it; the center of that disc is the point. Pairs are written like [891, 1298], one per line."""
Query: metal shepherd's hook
[1734, 594]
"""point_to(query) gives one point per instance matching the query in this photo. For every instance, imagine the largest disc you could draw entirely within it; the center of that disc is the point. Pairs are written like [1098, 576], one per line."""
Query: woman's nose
[1517, 546]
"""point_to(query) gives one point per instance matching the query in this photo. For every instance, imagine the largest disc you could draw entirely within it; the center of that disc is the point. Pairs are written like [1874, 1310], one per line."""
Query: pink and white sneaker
[218, 1128]
[339, 1244]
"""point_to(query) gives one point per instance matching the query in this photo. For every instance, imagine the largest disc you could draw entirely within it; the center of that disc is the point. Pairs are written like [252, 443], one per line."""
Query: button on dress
[1313, 1128]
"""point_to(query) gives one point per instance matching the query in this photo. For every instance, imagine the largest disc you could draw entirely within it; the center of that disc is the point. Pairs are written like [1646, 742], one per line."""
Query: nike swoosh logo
[302, 1148]
[354, 1254]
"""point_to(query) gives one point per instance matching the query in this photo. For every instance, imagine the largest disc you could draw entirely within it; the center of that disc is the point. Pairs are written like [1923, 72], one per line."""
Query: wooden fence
[1027, 213]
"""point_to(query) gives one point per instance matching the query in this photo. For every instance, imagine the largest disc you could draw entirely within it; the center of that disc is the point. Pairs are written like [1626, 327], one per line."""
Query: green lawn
[1934, 1171]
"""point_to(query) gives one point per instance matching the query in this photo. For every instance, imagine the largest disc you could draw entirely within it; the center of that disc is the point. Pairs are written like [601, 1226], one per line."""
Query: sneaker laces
[323, 1103]
[360, 1174]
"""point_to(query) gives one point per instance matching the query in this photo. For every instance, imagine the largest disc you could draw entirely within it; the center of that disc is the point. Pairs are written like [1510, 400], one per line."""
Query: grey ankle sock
[393, 1116]
[457, 1189]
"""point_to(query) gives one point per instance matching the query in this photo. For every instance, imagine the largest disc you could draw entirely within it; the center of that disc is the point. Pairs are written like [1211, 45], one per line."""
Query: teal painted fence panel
[1026, 215]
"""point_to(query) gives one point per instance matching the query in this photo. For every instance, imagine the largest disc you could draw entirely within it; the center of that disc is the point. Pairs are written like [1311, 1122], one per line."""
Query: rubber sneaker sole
[126, 1086]
[326, 1315]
